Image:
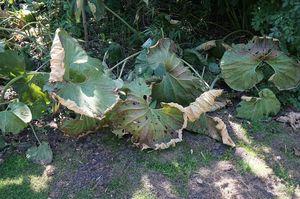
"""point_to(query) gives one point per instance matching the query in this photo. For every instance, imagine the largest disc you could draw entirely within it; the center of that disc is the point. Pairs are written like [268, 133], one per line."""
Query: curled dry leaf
[220, 128]
[292, 118]
[57, 55]
[207, 45]
[203, 104]
[213, 127]
[220, 104]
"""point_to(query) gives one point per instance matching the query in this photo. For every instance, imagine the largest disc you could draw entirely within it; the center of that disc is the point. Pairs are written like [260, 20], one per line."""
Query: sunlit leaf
[15, 118]
[78, 81]
[41, 154]
[256, 108]
[241, 65]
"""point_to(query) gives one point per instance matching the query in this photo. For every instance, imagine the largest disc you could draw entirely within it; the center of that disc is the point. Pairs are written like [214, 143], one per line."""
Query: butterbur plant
[154, 108]
[242, 68]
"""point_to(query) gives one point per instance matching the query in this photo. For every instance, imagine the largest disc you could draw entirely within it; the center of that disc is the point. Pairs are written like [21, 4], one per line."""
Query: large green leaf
[79, 126]
[41, 154]
[11, 64]
[78, 81]
[240, 65]
[287, 72]
[254, 108]
[176, 82]
[239, 69]
[150, 127]
[15, 118]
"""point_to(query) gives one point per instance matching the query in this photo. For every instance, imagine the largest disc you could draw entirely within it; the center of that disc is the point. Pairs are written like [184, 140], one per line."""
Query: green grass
[242, 166]
[21, 179]
[118, 184]
[180, 167]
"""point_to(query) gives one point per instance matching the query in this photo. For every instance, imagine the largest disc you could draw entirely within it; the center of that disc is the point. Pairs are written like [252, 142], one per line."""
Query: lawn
[262, 165]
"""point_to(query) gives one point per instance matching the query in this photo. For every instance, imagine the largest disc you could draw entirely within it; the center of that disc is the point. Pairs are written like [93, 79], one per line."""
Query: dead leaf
[296, 152]
[292, 118]
[203, 104]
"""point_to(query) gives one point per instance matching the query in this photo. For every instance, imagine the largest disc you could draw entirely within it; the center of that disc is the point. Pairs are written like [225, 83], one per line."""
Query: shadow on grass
[102, 166]
[21, 179]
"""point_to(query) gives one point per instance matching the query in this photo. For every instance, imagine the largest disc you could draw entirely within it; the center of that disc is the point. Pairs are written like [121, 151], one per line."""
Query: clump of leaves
[28, 85]
[243, 67]
[240, 65]
[150, 108]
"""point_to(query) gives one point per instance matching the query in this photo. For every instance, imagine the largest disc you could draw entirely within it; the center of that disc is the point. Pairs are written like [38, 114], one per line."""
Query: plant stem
[3, 103]
[124, 60]
[123, 66]
[11, 82]
[234, 32]
[41, 66]
[194, 70]
[121, 19]
[214, 82]
[203, 71]
[84, 23]
[35, 134]
[12, 30]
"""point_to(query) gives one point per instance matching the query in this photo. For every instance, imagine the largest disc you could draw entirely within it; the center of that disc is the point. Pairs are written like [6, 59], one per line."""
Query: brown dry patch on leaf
[57, 65]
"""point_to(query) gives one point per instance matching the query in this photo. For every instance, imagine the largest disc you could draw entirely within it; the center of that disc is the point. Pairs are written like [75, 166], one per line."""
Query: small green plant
[15, 115]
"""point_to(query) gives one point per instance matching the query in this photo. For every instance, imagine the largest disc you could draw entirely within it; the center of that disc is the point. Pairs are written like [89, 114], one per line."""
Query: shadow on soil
[263, 165]
[103, 166]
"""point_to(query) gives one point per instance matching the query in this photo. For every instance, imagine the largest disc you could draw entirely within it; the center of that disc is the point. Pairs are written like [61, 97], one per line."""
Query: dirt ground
[263, 165]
